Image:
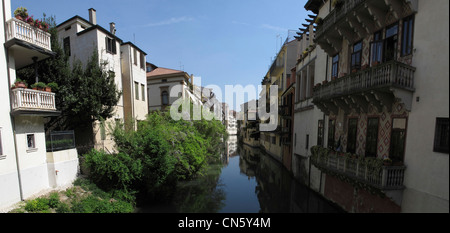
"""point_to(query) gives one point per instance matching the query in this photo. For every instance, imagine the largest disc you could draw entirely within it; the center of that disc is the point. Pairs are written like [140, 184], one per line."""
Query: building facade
[80, 38]
[376, 100]
[26, 168]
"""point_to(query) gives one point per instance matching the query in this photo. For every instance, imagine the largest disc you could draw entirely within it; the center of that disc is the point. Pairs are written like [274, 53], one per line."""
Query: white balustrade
[32, 99]
[21, 30]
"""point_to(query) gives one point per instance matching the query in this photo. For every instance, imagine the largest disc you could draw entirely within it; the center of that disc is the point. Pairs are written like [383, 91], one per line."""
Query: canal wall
[355, 200]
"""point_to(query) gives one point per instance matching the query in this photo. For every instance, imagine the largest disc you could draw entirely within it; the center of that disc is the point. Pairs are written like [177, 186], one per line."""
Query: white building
[80, 38]
[25, 166]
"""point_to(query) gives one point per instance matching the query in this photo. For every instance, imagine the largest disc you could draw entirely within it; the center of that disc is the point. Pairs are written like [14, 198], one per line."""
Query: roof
[313, 5]
[163, 71]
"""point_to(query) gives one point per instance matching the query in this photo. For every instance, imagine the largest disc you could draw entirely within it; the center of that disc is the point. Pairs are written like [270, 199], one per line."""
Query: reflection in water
[248, 181]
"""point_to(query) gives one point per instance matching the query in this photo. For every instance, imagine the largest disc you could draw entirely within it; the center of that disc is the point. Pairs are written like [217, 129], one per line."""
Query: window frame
[110, 45]
[1, 143]
[33, 146]
[66, 46]
[372, 153]
[335, 64]
[143, 92]
[356, 54]
[136, 90]
[352, 139]
[163, 94]
[332, 131]
[408, 33]
[439, 133]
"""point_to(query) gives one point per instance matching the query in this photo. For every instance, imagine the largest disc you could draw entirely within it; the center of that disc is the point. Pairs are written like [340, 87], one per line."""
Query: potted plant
[51, 86]
[19, 83]
[387, 161]
[324, 82]
[21, 13]
[30, 20]
[38, 86]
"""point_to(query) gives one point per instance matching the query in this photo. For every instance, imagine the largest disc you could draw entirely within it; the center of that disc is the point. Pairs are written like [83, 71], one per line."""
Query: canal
[247, 181]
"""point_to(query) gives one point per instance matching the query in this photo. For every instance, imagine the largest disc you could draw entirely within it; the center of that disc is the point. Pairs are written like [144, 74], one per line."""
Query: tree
[84, 95]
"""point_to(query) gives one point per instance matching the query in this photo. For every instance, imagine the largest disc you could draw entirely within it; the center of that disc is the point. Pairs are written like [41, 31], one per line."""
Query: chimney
[112, 28]
[93, 16]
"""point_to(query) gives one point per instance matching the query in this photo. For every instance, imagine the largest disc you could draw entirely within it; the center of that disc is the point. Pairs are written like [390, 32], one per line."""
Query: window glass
[372, 137]
[165, 98]
[441, 138]
[351, 135]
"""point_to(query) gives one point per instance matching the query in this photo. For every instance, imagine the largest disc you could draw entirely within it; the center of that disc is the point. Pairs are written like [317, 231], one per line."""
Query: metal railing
[392, 73]
[32, 99]
[60, 140]
[21, 30]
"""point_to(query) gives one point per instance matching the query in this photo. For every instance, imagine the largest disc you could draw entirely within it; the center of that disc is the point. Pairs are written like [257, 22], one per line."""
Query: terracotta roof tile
[163, 71]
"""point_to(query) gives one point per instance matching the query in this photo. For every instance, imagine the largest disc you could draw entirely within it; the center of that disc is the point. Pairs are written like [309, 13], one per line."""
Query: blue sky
[225, 42]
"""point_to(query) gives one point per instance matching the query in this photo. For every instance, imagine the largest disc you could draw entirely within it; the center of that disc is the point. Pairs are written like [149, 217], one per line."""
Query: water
[248, 181]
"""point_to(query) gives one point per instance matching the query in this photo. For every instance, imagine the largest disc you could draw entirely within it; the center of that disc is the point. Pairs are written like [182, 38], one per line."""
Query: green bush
[37, 205]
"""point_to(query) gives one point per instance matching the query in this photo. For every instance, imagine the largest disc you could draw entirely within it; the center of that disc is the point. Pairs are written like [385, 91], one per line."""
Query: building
[26, 168]
[162, 82]
[249, 128]
[80, 38]
[385, 96]
[278, 74]
[308, 120]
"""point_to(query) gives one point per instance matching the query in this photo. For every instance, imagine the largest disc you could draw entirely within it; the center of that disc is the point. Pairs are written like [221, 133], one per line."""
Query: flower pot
[19, 17]
[48, 89]
[20, 85]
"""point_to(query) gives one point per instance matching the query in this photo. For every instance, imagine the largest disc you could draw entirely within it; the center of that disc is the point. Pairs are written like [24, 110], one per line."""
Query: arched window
[165, 98]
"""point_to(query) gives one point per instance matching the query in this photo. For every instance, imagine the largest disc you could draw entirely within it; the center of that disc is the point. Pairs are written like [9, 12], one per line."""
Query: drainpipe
[13, 123]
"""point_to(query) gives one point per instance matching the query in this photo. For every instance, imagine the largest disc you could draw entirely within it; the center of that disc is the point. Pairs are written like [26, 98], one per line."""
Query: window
[372, 137]
[66, 44]
[164, 80]
[356, 56]
[407, 36]
[398, 133]
[331, 126]
[351, 135]
[30, 141]
[143, 92]
[135, 56]
[390, 46]
[376, 48]
[136, 90]
[142, 61]
[1, 148]
[335, 66]
[110, 45]
[165, 98]
[320, 133]
[441, 135]
[307, 141]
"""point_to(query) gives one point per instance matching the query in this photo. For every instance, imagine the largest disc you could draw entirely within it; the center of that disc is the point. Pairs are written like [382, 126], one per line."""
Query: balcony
[27, 42]
[379, 85]
[33, 102]
[365, 171]
[355, 19]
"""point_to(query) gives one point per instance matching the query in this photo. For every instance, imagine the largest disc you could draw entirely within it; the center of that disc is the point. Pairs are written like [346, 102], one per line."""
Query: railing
[21, 30]
[60, 140]
[392, 73]
[336, 15]
[371, 173]
[32, 99]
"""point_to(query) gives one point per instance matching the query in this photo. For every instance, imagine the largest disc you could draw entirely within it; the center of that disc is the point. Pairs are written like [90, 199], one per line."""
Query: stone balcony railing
[33, 100]
[392, 79]
[366, 171]
[21, 30]
[392, 73]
